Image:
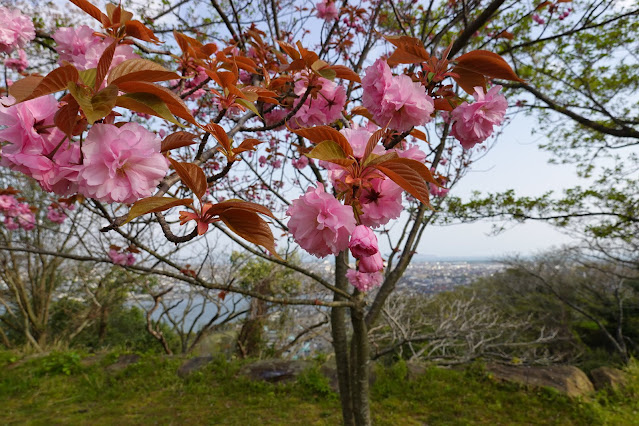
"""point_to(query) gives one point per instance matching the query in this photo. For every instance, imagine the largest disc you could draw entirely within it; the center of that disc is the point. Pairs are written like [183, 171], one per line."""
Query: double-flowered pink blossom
[83, 49]
[16, 214]
[16, 30]
[121, 258]
[18, 64]
[121, 164]
[364, 281]
[473, 123]
[370, 264]
[395, 101]
[380, 202]
[323, 107]
[326, 10]
[363, 242]
[320, 224]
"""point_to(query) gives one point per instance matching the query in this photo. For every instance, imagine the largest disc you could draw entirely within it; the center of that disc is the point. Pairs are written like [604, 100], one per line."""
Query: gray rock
[92, 360]
[275, 371]
[192, 365]
[608, 378]
[123, 362]
[566, 379]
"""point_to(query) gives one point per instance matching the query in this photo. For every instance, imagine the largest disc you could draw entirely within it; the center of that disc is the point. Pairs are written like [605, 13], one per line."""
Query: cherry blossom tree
[182, 123]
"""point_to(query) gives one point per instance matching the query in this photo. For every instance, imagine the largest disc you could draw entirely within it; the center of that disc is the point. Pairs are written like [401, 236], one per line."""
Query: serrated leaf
[88, 76]
[251, 227]
[218, 208]
[487, 63]
[468, 80]
[65, 117]
[411, 175]
[177, 140]
[220, 135]
[372, 143]
[346, 73]
[154, 204]
[170, 99]
[192, 176]
[55, 81]
[377, 159]
[410, 50]
[140, 70]
[247, 145]
[22, 88]
[327, 150]
[249, 105]
[146, 103]
[319, 134]
[103, 103]
[136, 29]
[91, 10]
[104, 63]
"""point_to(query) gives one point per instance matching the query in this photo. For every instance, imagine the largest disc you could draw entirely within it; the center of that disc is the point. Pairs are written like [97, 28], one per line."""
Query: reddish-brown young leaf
[290, 50]
[444, 104]
[55, 81]
[360, 110]
[372, 143]
[192, 176]
[140, 70]
[410, 50]
[177, 140]
[172, 101]
[410, 174]
[468, 80]
[66, 117]
[154, 204]
[220, 135]
[247, 145]
[22, 88]
[136, 29]
[218, 208]
[146, 103]
[319, 134]
[93, 11]
[345, 73]
[488, 63]
[105, 63]
[251, 227]
[419, 135]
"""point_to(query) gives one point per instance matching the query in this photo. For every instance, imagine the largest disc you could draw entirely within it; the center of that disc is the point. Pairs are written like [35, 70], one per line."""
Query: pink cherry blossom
[16, 29]
[19, 215]
[473, 123]
[538, 19]
[83, 49]
[438, 192]
[395, 101]
[370, 264]
[19, 64]
[7, 202]
[381, 202]
[324, 108]
[275, 116]
[125, 259]
[364, 281]
[56, 214]
[121, 165]
[301, 162]
[363, 242]
[358, 139]
[411, 151]
[320, 224]
[30, 134]
[327, 10]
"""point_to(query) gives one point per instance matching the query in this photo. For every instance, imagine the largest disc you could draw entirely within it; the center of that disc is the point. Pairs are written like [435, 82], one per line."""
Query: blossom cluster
[82, 48]
[115, 164]
[16, 214]
[322, 106]
[16, 30]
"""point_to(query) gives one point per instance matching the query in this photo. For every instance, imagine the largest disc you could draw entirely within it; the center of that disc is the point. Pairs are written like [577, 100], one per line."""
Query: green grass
[58, 389]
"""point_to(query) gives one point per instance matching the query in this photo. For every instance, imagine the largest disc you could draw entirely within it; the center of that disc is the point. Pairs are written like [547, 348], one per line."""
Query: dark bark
[340, 341]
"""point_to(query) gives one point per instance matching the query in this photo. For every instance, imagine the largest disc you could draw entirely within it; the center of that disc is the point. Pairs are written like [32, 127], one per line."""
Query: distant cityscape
[438, 276]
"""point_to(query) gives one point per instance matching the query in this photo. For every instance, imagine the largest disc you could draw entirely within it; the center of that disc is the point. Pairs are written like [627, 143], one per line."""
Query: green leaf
[88, 76]
[249, 105]
[154, 204]
[147, 103]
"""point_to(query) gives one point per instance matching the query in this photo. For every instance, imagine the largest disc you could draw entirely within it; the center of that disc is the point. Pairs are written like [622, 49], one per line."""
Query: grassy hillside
[60, 389]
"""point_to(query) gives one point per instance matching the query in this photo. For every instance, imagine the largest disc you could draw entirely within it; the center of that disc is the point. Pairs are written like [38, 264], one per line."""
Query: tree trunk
[340, 342]
[360, 356]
